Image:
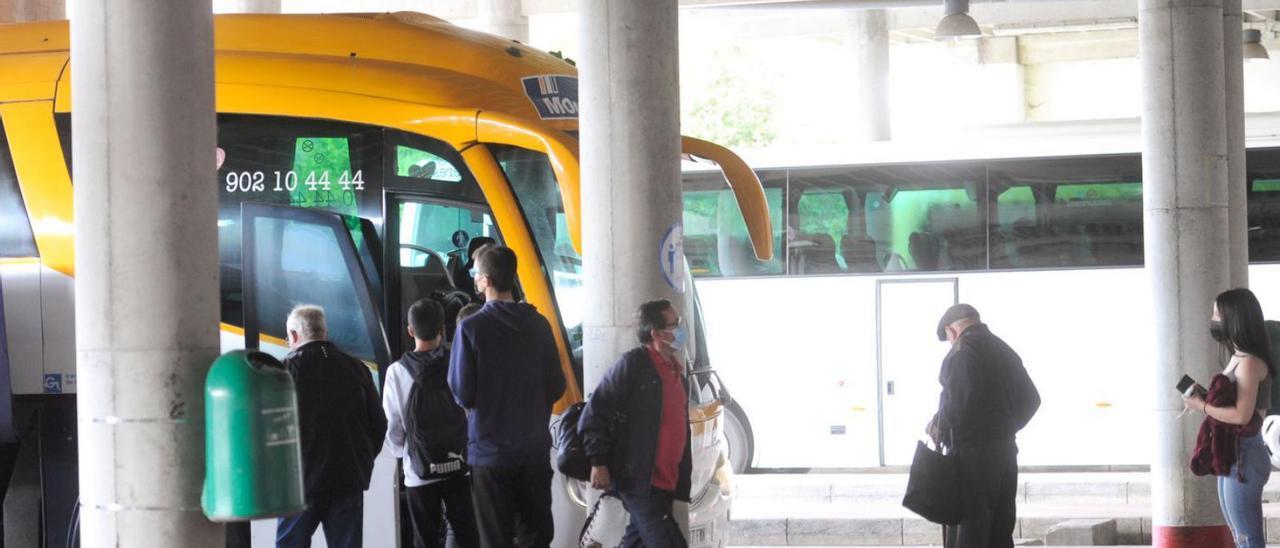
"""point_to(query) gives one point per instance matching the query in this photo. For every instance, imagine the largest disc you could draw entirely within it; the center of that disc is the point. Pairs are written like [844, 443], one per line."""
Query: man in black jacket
[635, 429]
[342, 427]
[987, 397]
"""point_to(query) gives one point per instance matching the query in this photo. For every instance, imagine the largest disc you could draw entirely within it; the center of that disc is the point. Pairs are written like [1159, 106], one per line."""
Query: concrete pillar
[1237, 183]
[631, 197]
[26, 11]
[868, 43]
[248, 6]
[505, 18]
[1185, 220]
[146, 267]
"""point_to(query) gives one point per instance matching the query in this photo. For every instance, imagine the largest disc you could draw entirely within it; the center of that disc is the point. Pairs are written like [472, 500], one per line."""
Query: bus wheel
[737, 433]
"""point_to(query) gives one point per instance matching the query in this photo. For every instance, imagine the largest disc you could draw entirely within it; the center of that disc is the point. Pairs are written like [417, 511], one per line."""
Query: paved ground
[866, 509]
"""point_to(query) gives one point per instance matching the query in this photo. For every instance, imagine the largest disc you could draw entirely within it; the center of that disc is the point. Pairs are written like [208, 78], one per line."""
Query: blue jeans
[1242, 501]
[342, 518]
[651, 524]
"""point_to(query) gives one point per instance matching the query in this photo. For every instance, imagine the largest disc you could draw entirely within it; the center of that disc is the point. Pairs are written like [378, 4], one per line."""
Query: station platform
[866, 509]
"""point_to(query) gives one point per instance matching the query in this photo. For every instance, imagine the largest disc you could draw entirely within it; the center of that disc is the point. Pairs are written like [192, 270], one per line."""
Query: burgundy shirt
[673, 429]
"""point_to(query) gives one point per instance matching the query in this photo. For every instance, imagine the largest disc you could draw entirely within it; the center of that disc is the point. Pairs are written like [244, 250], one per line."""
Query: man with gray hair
[987, 397]
[341, 425]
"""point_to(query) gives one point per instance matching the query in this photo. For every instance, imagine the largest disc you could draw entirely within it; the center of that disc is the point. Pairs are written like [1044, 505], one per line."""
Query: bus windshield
[535, 187]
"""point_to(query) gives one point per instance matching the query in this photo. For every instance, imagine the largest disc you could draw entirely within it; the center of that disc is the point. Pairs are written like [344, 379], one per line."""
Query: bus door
[908, 358]
[427, 241]
[295, 256]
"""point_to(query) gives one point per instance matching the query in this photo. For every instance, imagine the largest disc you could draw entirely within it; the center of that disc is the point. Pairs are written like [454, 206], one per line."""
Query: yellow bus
[357, 157]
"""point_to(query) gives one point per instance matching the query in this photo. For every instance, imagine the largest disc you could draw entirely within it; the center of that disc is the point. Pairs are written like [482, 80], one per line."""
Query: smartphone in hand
[1188, 386]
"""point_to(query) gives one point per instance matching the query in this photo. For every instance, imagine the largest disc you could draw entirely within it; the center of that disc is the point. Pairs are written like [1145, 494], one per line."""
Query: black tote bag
[933, 486]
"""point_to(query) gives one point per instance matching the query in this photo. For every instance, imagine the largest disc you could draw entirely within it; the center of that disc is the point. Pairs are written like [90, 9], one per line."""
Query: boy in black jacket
[430, 360]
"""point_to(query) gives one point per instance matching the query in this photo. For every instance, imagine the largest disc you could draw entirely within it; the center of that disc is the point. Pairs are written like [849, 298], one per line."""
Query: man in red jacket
[646, 459]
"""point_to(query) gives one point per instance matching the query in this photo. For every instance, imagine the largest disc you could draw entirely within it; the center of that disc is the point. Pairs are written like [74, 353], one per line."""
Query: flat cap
[954, 314]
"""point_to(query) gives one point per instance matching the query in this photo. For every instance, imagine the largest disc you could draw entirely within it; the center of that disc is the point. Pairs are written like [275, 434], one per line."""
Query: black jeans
[988, 493]
[424, 511]
[651, 525]
[341, 516]
[513, 504]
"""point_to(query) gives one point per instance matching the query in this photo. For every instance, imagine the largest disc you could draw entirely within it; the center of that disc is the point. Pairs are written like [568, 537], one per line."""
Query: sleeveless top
[1264, 387]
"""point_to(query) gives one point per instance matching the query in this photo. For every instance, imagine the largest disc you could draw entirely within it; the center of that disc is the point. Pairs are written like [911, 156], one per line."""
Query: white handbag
[606, 523]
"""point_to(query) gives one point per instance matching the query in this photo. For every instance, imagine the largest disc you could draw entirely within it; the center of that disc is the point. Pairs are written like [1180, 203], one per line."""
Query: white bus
[830, 347]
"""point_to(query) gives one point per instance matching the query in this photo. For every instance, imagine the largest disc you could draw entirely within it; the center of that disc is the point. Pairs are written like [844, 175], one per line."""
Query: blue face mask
[681, 337]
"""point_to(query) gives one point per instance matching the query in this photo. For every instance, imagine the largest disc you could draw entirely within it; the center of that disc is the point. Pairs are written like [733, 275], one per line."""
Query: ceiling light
[957, 23]
[1253, 49]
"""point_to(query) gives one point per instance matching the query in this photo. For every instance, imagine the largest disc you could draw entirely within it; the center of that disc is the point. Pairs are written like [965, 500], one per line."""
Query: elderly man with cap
[987, 397]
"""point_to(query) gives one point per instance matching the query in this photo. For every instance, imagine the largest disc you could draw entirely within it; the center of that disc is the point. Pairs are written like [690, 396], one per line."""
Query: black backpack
[571, 457]
[435, 428]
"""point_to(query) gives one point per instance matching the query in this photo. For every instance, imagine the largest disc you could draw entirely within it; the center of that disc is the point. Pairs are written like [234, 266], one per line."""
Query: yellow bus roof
[332, 52]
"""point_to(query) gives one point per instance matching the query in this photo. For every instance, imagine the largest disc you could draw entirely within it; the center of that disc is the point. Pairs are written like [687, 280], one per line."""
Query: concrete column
[26, 11]
[249, 6]
[146, 267]
[1185, 220]
[1237, 183]
[867, 40]
[505, 18]
[631, 197]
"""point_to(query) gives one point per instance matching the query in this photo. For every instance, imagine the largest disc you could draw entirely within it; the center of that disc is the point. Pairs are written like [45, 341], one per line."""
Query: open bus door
[298, 256]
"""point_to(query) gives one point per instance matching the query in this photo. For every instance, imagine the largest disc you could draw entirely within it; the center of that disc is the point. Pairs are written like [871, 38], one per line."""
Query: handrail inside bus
[561, 150]
[746, 189]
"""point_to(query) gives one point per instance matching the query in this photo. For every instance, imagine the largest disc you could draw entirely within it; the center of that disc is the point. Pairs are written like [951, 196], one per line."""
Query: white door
[909, 355]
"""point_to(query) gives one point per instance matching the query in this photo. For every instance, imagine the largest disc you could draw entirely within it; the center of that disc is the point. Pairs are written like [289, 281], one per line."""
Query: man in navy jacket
[987, 397]
[505, 370]
[635, 429]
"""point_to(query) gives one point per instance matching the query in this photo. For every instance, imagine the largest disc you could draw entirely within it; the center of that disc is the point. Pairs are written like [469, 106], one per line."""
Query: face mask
[1216, 331]
[681, 337]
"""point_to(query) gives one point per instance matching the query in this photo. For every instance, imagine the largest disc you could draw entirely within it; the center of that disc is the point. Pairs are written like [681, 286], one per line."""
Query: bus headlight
[723, 476]
[721, 483]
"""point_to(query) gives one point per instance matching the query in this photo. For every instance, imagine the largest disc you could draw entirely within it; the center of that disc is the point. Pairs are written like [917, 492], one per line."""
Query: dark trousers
[341, 516]
[513, 505]
[651, 525]
[424, 511]
[989, 492]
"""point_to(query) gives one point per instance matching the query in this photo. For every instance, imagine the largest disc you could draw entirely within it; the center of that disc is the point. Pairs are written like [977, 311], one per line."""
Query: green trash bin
[253, 461]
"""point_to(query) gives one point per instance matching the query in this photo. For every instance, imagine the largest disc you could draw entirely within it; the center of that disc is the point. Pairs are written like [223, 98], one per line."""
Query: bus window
[1264, 218]
[1067, 212]
[534, 184]
[1264, 205]
[300, 262]
[288, 161]
[930, 225]
[1099, 219]
[716, 241]
[822, 223]
[425, 166]
[828, 226]
[420, 164]
[16, 238]
[432, 239]
[1015, 217]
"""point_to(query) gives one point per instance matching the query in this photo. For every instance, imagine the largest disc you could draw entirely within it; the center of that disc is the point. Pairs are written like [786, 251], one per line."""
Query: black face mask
[1216, 331]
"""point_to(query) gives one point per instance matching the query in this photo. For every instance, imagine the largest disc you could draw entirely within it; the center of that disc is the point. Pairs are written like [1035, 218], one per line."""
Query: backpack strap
[410, 368]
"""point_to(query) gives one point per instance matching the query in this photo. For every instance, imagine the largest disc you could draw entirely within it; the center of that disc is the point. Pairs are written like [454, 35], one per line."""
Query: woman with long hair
[1237, 325]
